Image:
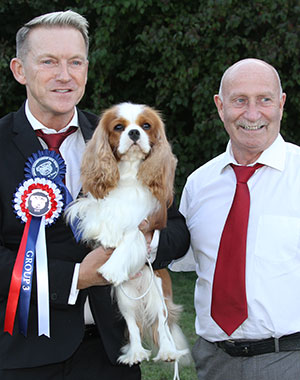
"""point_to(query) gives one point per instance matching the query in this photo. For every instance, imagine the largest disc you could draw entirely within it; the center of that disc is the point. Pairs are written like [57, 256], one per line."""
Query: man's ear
[219, 105]
[17, 68]
[282, 102]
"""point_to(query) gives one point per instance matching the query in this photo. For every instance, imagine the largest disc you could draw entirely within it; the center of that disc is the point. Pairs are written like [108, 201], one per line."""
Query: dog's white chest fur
[113, 222]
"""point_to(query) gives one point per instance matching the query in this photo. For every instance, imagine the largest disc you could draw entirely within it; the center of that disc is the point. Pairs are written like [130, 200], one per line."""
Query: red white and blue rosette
[38, 197]
[38, 202]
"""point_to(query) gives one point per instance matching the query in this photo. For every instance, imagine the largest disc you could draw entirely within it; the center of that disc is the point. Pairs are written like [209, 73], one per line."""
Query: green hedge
[171, 54]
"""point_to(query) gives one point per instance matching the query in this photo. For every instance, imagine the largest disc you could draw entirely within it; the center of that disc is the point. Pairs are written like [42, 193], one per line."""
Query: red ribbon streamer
[15, 284]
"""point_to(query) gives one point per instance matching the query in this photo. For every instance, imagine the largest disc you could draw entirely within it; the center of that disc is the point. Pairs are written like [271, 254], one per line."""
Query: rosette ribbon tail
[32, 247]
[42, 282]
[15, 284]
[27, 274]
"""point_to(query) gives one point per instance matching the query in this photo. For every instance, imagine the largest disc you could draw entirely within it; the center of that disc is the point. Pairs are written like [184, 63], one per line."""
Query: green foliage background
[171, 54]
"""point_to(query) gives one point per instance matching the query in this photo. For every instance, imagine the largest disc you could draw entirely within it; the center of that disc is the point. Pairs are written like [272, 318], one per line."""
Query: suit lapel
[23, 135]
[86, 126]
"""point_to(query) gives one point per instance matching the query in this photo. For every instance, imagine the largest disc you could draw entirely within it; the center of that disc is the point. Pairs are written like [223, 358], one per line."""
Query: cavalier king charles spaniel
[127, 177]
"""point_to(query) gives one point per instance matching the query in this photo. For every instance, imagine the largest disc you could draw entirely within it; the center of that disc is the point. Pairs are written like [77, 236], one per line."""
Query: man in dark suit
[85, 337]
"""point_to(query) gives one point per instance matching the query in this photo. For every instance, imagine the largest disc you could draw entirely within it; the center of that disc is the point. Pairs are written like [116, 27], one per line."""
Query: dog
[127, 177]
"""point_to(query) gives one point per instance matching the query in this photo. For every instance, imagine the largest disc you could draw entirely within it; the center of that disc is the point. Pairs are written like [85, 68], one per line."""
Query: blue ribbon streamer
[27, 274]
[66, 193]
[68, 199]
[75, 229]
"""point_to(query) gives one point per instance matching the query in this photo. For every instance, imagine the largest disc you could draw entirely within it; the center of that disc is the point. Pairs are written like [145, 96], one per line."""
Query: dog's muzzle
[134, 135]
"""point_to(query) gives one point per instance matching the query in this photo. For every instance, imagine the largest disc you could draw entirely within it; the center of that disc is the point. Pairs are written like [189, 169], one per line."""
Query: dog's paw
[170, 355]
[112, 275]
[133, 356]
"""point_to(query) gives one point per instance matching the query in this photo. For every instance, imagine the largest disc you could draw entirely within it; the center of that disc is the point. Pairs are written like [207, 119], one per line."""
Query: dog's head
[131, 128]
[125, 131]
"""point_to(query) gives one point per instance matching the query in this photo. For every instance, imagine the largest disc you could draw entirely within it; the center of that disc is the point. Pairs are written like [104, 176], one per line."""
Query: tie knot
[243, 173]
[54, 140]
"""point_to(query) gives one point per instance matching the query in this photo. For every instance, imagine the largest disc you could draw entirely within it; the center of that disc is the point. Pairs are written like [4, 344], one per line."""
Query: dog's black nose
[134, 134]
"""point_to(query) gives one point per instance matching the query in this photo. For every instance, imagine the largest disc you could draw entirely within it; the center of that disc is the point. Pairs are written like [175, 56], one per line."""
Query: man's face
[251, 109]
[54, 71]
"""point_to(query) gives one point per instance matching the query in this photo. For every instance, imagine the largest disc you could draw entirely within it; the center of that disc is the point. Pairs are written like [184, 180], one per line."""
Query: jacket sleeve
[174, 240]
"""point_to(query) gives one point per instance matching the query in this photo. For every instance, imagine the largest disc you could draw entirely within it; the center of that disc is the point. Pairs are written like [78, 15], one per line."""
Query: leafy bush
[171, 54]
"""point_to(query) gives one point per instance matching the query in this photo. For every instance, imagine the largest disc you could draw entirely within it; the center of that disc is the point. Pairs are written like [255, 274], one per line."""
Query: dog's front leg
[133, 352]
[127, 259]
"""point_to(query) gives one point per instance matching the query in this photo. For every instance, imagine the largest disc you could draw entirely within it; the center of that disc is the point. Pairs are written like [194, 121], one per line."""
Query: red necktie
[229, 302]
[54, 140]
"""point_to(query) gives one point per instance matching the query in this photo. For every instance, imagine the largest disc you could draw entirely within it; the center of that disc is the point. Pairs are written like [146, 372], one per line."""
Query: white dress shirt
[71, 149]
[273, 243]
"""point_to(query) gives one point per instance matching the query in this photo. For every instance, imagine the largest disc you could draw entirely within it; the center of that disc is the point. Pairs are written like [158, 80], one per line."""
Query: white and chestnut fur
[127, 175]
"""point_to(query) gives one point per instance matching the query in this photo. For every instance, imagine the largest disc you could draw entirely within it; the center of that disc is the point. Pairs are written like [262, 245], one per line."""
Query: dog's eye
[146, 126]
[119, 128]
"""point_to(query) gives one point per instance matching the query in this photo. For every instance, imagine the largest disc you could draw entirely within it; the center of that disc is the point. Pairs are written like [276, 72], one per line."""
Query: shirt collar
[38, 125]
[273, 156]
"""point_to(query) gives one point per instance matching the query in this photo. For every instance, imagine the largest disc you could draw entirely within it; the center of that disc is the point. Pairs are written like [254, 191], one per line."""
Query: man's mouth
[63, 91]
[252, 126]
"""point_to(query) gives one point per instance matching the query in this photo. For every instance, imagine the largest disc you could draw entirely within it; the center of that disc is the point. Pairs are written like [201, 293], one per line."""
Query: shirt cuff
[154, 245]
[74, 291]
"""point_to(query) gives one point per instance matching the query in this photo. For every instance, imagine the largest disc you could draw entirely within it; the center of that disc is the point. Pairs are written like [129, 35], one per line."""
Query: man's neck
[52, 122]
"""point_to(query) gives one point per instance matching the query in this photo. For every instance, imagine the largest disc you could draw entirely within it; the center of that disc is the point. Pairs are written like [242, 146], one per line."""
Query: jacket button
[53, 296]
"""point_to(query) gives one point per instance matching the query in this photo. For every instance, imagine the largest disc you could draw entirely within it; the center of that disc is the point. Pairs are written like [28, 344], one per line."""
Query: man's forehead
[38, 33]
[255, 77]
[43, 42]
[249, 69]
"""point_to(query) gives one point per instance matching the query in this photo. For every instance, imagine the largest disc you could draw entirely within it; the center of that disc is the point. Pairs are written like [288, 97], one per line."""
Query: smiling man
[243, 212]
[52, 64]
[73, 329]
[250, 104]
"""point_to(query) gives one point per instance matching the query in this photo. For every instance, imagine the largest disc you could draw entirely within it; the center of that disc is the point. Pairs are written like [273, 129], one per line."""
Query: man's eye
[239, 102]
[48, 62]
[119, 128]
[76, 63]
[146, 126]
[265, 100]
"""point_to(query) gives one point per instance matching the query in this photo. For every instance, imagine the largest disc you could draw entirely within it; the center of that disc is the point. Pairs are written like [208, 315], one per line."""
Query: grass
[183, 289]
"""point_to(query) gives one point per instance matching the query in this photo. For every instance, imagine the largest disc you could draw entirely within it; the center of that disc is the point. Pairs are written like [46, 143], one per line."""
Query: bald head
[248, 66]
[250, 104]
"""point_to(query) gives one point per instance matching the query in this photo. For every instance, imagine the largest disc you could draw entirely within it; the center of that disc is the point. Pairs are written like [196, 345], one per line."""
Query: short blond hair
[62, 19]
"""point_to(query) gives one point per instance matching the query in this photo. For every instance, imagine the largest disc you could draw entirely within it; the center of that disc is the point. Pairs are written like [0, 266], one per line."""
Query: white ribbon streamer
[42, 282]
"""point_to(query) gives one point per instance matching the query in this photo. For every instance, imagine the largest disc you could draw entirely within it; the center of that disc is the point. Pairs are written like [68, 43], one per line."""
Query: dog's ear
[99, 169]
[158, 172]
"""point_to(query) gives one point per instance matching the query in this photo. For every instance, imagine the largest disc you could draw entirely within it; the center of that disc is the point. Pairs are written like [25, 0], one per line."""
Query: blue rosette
[38, 202]
[48, 164]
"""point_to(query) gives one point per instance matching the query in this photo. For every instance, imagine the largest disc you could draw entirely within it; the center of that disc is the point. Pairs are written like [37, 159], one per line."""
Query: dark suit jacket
[17, 143]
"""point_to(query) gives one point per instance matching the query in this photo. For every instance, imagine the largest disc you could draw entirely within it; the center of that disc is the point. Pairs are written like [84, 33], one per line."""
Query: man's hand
[88, 275]
[146, 229]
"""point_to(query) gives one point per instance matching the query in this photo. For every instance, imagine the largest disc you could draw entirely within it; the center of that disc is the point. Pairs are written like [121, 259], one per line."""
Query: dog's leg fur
[129, 257]
[133, 352]
[150, 311]
[167, 348]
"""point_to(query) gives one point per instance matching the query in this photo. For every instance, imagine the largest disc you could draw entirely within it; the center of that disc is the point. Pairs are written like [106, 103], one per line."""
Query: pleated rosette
[38, 202]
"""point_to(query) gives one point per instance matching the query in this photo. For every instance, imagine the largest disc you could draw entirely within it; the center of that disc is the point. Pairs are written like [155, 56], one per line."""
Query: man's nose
[252, 112]
[63, 72]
